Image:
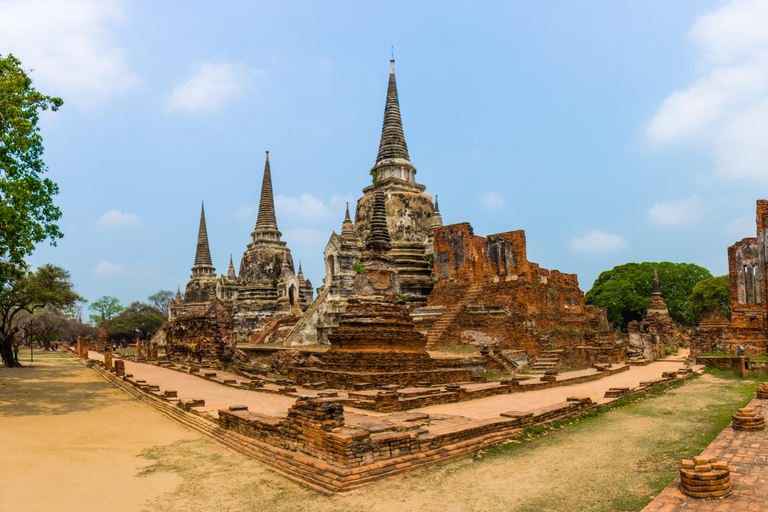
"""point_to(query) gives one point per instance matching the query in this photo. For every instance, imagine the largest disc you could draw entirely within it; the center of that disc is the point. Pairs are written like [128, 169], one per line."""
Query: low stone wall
[346, 380]
[312, 445]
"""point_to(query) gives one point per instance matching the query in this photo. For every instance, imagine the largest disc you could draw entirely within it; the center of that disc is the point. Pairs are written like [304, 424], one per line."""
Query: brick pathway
[218, 396]
[492, 406]
[747, 457]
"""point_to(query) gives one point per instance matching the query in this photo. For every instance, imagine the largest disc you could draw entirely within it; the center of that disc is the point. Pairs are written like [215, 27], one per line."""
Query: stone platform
[330, 447]
[348, 379]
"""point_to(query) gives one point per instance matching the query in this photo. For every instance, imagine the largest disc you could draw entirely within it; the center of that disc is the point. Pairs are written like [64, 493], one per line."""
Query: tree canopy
[27, 212]
[625, 290]
[106, 308]
[710, 296]
[137, 317]
[26, 292]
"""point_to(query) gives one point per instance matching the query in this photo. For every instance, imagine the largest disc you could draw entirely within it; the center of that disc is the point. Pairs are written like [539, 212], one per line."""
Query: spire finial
[346, 217]
[656, 286]
[437, 208]
[203, 253]
[178, 293]
[392, 145]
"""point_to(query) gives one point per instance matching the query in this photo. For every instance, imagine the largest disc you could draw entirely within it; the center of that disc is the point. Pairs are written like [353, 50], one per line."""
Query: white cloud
[726, 108]
[685, 212]
[106, 269]
[69, 45]
[740, 228]
[492, 200]
[212, 86]
[114, 218]
[599, 241]
[305, 205]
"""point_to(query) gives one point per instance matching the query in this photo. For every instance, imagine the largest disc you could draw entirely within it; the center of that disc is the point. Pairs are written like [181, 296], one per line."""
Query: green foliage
[106, 307]
[274, 282]
[27, 292]
[359, 268]
[401, 297]
[375, 177]
[625, 290]
[710, 296]
[136, 317]
[425, 258]
[27, 212]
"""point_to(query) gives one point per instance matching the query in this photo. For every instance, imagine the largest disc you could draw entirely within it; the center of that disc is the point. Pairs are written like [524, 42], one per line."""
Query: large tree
[27, 292]
[711, 296]
[106, 308]
[139, 317]
[44, 325]
[27, 212]
[161, 299]
[625, 290]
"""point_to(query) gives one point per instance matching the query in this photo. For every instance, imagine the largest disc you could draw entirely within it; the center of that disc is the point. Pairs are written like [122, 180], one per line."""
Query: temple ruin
[265, 291]
[748, 325]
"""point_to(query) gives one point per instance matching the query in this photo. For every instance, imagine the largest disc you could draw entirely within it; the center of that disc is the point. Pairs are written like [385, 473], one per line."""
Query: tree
[26, 292]
[106, 308]
[45, 324]
[136, 317]
[27, 212]
[625, 290]
[160, 300]
[711, 296]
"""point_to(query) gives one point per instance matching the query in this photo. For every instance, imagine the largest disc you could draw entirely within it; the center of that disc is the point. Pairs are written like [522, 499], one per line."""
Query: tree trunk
[6, 351]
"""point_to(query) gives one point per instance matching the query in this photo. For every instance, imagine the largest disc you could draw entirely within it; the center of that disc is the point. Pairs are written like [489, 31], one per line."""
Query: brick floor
[747, 456]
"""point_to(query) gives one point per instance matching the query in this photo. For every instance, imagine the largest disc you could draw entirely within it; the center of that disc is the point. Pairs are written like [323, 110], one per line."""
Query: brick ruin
[488, 293]
[649, 338]
[748, 325]
[202, 336]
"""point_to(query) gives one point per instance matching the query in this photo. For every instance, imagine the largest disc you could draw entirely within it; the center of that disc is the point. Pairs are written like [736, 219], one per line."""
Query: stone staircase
[438, 330]
[309, 313]
[549, 360]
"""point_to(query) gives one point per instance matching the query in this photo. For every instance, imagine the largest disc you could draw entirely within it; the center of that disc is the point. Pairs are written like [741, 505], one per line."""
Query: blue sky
[609, 131]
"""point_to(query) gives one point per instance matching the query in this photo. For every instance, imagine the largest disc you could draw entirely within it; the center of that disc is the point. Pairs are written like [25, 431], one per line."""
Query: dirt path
[73, 442]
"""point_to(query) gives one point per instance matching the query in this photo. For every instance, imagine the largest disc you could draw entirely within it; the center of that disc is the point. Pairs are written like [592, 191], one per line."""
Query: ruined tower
[409, 209]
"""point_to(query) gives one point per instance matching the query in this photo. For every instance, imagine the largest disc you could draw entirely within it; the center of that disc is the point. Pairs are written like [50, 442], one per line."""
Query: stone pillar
[705, 477]
[153, 351]
[108, 356]
[120, 368]
[84, 347]
[747, 419]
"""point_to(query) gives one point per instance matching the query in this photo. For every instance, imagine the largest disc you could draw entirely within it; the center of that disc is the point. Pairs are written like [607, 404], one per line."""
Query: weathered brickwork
[748, 325]
[512, 301]
[201, 336]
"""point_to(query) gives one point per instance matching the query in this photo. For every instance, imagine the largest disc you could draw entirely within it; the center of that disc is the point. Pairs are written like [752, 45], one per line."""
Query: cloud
[306, 205]
[599, 241]
[306, 236]
[726, 108]
[685, 212]
[212, 86]
[70, 46]
[740, 228]
[107, 269]
[492, 200]
[114, 218]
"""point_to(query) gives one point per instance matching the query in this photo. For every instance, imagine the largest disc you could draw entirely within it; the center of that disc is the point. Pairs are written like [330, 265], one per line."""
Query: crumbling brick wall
[201, 336]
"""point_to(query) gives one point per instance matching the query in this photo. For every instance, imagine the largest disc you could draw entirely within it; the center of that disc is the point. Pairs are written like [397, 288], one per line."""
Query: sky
[610, 132]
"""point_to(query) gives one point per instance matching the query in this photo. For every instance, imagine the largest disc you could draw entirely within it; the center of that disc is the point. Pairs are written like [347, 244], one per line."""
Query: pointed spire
[203, 253]
[392, 145]
[300, 275]
[348, 230]
[266, 223]
[178, 293]
[231, 272]
[656, 286]
[378, 242]
[266, 217]
[437, 220]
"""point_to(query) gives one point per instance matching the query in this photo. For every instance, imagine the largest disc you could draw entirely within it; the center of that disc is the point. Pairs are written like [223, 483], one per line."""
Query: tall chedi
[409, 209]
[202, 284]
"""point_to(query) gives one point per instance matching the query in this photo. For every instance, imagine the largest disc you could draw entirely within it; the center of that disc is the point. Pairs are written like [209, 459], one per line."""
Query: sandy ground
[75, 443]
